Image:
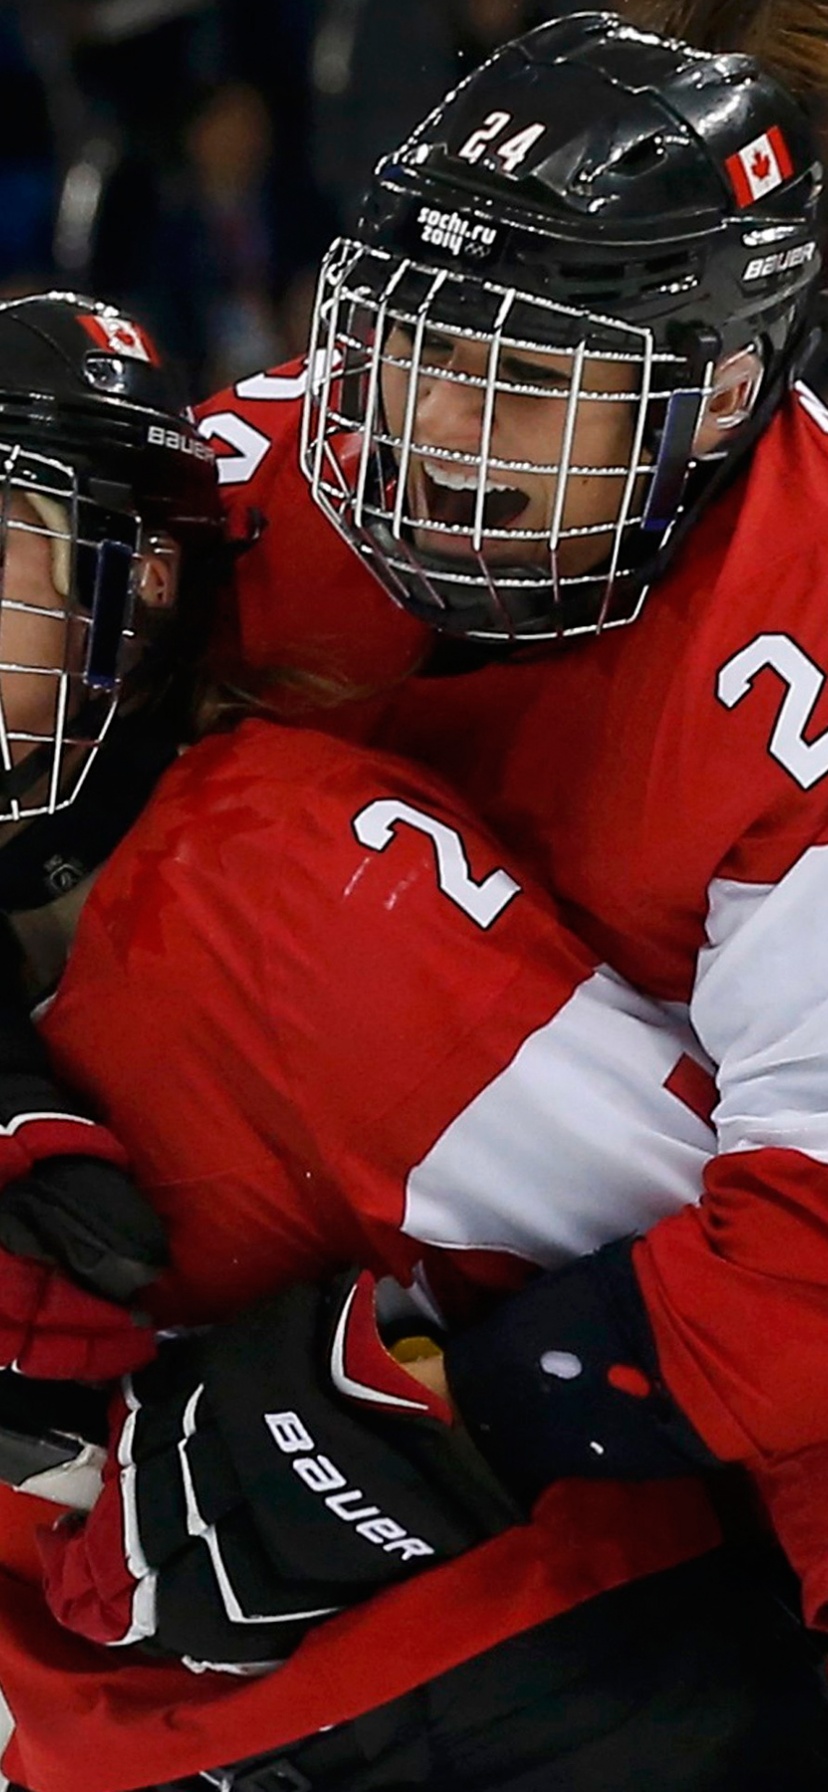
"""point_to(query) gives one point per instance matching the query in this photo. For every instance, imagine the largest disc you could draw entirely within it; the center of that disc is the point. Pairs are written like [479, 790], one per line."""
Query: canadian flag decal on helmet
[760, 166]
[119, 336]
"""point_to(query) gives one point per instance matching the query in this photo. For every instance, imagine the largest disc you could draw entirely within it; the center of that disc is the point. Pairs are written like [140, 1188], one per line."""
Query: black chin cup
[55, 852]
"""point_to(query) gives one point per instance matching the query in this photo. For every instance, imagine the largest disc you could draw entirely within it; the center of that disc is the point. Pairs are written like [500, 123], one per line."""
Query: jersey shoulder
[303, 602]
[375, 865]
[739, 644]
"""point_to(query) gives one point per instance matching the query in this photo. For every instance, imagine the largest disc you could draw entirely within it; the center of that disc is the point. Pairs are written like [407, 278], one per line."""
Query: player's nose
[449, 409]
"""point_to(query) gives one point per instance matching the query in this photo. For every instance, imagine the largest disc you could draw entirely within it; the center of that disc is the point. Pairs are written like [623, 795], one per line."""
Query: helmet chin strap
[54, 852]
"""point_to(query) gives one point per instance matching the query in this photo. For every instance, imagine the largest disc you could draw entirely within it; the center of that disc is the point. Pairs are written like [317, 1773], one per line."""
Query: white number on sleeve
[805, 760]
[249, 446]
[376, 825]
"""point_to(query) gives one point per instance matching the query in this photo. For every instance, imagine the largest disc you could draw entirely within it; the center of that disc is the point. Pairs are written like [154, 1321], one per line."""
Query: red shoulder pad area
[304, 603]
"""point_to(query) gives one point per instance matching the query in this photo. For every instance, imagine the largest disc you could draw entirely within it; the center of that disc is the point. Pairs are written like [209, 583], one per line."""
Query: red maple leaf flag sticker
[119, 336]
[760, 166]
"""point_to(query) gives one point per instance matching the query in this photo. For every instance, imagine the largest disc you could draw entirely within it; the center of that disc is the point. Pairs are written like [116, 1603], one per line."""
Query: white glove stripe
[197, 1526]
[143, 1599]
[358, 1390]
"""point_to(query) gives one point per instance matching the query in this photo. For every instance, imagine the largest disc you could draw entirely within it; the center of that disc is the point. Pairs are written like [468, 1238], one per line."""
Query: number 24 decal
[805, 760]
[511, 153]
[376, 826]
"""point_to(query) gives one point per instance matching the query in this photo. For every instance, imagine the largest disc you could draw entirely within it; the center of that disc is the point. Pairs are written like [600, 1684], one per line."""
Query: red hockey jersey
[669, 782]
[331, 1023]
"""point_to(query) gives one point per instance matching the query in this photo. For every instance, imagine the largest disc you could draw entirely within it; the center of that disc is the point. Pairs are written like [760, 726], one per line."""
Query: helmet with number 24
[575, 298]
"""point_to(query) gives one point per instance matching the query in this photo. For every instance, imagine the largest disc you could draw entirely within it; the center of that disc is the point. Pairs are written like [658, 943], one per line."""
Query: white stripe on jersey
[6, 1733]
[760, 1008]
[576, 1142]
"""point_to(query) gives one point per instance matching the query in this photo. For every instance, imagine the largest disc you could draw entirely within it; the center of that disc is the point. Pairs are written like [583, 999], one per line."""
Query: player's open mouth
[450, 496]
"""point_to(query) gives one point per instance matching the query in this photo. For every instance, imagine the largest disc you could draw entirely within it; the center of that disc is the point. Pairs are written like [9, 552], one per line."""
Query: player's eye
[435, 347]
[531, 373]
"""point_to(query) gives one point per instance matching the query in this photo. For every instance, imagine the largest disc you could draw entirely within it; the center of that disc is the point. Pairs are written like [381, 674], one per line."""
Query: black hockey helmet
[99, 454]
[599, 196]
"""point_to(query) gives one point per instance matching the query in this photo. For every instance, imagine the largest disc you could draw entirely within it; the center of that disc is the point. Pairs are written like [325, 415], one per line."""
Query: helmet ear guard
[586, 194]
[739, 376]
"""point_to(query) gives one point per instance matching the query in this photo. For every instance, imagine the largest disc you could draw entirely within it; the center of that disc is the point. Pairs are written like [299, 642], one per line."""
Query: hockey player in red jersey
[629, 679]
[406, 512]
[332, 1025]
[393, 1145]
[97, 509]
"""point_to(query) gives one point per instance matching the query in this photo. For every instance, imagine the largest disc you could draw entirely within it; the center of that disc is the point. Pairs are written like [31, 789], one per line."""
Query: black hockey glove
[563, 1380]
[87, 1217]
[65, 1195]
[262, 1476]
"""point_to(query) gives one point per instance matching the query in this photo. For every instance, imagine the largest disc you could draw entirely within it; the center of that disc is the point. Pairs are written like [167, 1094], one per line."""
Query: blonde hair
[227, 690]
[277, 693]
[789, 37]
[55, 519]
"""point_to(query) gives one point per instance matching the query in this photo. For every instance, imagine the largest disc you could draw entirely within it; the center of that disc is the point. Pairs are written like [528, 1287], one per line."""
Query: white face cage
[68, 569]
[386, 329]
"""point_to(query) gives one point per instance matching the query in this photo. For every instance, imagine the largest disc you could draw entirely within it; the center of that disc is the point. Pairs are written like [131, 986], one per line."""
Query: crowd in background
[191, 159]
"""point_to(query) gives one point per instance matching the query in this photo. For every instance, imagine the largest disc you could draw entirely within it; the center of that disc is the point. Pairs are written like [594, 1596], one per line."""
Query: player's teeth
[462, 482]
[453, 478]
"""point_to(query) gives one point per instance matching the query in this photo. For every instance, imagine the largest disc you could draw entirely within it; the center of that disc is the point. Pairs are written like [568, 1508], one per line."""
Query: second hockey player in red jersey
[334, 1025]
[566, 400]
[586, 231]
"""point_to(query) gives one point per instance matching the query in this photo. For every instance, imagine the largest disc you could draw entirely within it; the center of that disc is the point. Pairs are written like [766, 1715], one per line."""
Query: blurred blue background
[191, 159]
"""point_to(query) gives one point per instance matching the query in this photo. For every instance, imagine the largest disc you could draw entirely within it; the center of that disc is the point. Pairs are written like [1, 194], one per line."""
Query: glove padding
[87, 1216]
[563, 1379]
[66, 1196]
[262, 1476]
[53, 1330]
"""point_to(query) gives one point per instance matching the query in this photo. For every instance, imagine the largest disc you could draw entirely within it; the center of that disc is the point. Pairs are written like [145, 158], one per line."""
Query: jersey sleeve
[304, 609]
[415, 1027]
[737, 1288]
[478, 1083]
[705, 1339]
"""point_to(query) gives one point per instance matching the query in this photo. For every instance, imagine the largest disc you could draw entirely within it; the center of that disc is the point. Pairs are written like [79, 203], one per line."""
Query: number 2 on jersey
[805, 760]
[248, 445]
[483, 902]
